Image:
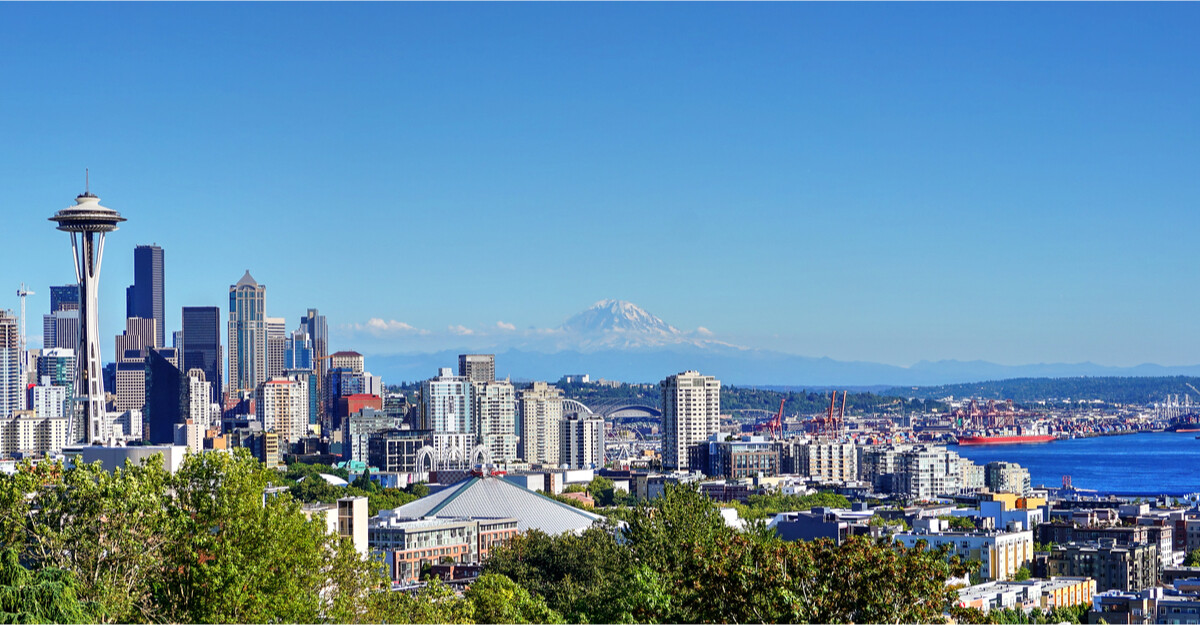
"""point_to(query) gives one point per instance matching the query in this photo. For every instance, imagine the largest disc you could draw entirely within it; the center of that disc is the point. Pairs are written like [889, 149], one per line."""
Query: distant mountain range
[618, 340]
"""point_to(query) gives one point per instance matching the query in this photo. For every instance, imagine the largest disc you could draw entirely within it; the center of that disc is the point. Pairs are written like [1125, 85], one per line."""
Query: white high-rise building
[691, 413]
[582, 441]
[11, 383]
[446, 404]
[50, 401]
[282, 405]
[247, 335]
[827, 460]
[347, 360]
[199, 399]
[495, 413]
[541, 410]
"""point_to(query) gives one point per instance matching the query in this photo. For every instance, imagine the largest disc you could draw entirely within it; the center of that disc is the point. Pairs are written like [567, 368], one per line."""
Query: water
[1160, 463]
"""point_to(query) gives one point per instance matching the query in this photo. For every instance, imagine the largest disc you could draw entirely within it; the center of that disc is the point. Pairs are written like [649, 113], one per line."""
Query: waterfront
[1143, 464]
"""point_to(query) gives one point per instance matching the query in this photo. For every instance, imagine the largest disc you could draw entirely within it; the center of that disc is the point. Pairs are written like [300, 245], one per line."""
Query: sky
[866, 181]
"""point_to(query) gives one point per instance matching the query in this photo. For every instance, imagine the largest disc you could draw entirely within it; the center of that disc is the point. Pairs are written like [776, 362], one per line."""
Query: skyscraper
[282, 405]
[314, 323]
[691, 413]
[298, 352]
[145, 298]
[495, 412]
[446, 404]
[88, 222]
[202, 345]
[276, 345]
[540, 408]
[64, 298]
[11, 385]
[582, 441]
[166, 398]
[247, 335]
[477, 367]
[138, 336]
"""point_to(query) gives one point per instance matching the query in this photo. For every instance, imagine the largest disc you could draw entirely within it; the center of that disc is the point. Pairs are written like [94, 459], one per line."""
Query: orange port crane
[774, 425]
[829, 425]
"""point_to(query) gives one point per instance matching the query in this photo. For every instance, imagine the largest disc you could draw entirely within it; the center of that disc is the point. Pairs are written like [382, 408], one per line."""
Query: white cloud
[461, 330]
[379, 327]
[703, 331]
[505, 326]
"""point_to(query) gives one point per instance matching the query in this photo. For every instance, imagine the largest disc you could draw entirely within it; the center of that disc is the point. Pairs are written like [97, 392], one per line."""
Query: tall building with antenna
[88, 222]
[247, 334]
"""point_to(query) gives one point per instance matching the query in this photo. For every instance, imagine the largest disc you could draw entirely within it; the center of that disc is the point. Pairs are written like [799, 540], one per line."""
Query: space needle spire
[88, 222]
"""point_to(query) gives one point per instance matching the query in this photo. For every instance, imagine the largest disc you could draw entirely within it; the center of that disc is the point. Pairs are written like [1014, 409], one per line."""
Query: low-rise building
[1000, 554]
[1113, 566]
[408, 544]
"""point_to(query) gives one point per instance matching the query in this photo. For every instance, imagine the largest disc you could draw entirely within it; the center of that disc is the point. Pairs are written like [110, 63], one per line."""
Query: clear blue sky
[1010, 182]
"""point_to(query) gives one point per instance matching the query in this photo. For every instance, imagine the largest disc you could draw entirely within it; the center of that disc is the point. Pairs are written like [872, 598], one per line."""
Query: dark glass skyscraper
[202, 344]
[166, 399]
[64, 298]
[145, 298]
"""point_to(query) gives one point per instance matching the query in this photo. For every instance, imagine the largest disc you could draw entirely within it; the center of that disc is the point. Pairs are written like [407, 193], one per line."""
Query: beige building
[282, 406]
[276, 345]
[347, 360]
[828, 461]
[691, 413]
[494, 412]
[25, 432]
[541, 410]
[1000, 554]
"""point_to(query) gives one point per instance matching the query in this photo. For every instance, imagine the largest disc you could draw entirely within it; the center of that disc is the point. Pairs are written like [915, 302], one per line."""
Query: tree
[435, 603]
[1022, 574]
[107, 529]
[1193, 558]
[498, 599]
[243, 557]
[49, 596]
[577, 575]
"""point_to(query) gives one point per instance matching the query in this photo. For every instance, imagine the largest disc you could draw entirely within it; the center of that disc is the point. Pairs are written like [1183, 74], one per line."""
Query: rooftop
[495, 497]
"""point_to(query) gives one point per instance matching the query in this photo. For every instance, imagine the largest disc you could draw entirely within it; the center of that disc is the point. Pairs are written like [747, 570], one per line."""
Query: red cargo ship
[1004, 440]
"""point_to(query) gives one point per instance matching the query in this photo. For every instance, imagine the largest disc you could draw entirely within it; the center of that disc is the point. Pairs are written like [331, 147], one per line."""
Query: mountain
[618, 340]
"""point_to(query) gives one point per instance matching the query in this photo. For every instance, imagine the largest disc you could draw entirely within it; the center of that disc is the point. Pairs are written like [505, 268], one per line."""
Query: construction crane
[22, 293]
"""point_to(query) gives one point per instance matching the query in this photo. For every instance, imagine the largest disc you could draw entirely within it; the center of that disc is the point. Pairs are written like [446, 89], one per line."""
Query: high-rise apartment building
[581, 441]
[11, 384]
[495, 413]
[540, 408]
[56, 367]
[446, 404]
[477, 367]
[282, 405]
[202, 345]
[199, 396]
[146, 297]
[247, 335]
[691, 413]
[276, 346]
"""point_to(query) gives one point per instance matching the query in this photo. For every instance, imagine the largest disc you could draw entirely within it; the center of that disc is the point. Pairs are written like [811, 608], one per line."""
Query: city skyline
[996, 183]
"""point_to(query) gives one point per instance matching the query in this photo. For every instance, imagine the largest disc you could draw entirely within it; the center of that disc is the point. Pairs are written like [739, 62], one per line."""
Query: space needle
[88, 222]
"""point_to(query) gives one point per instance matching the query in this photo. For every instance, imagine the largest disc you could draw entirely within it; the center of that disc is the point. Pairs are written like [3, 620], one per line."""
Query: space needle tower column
[88, 222]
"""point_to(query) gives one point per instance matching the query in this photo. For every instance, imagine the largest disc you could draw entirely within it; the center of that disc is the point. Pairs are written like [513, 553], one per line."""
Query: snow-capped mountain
[616, 324]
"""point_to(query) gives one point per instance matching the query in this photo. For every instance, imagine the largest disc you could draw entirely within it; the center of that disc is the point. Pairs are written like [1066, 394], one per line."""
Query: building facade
[202, 346]
[540, 411]
[581, 444]
[446, 404]
[282, 406]
[477, 367]
[247, 334]
[691, 413]
[146, 297]
[495, 414]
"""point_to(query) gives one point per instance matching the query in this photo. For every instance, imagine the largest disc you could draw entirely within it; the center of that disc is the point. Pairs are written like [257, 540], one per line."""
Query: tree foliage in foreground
[677, 561]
